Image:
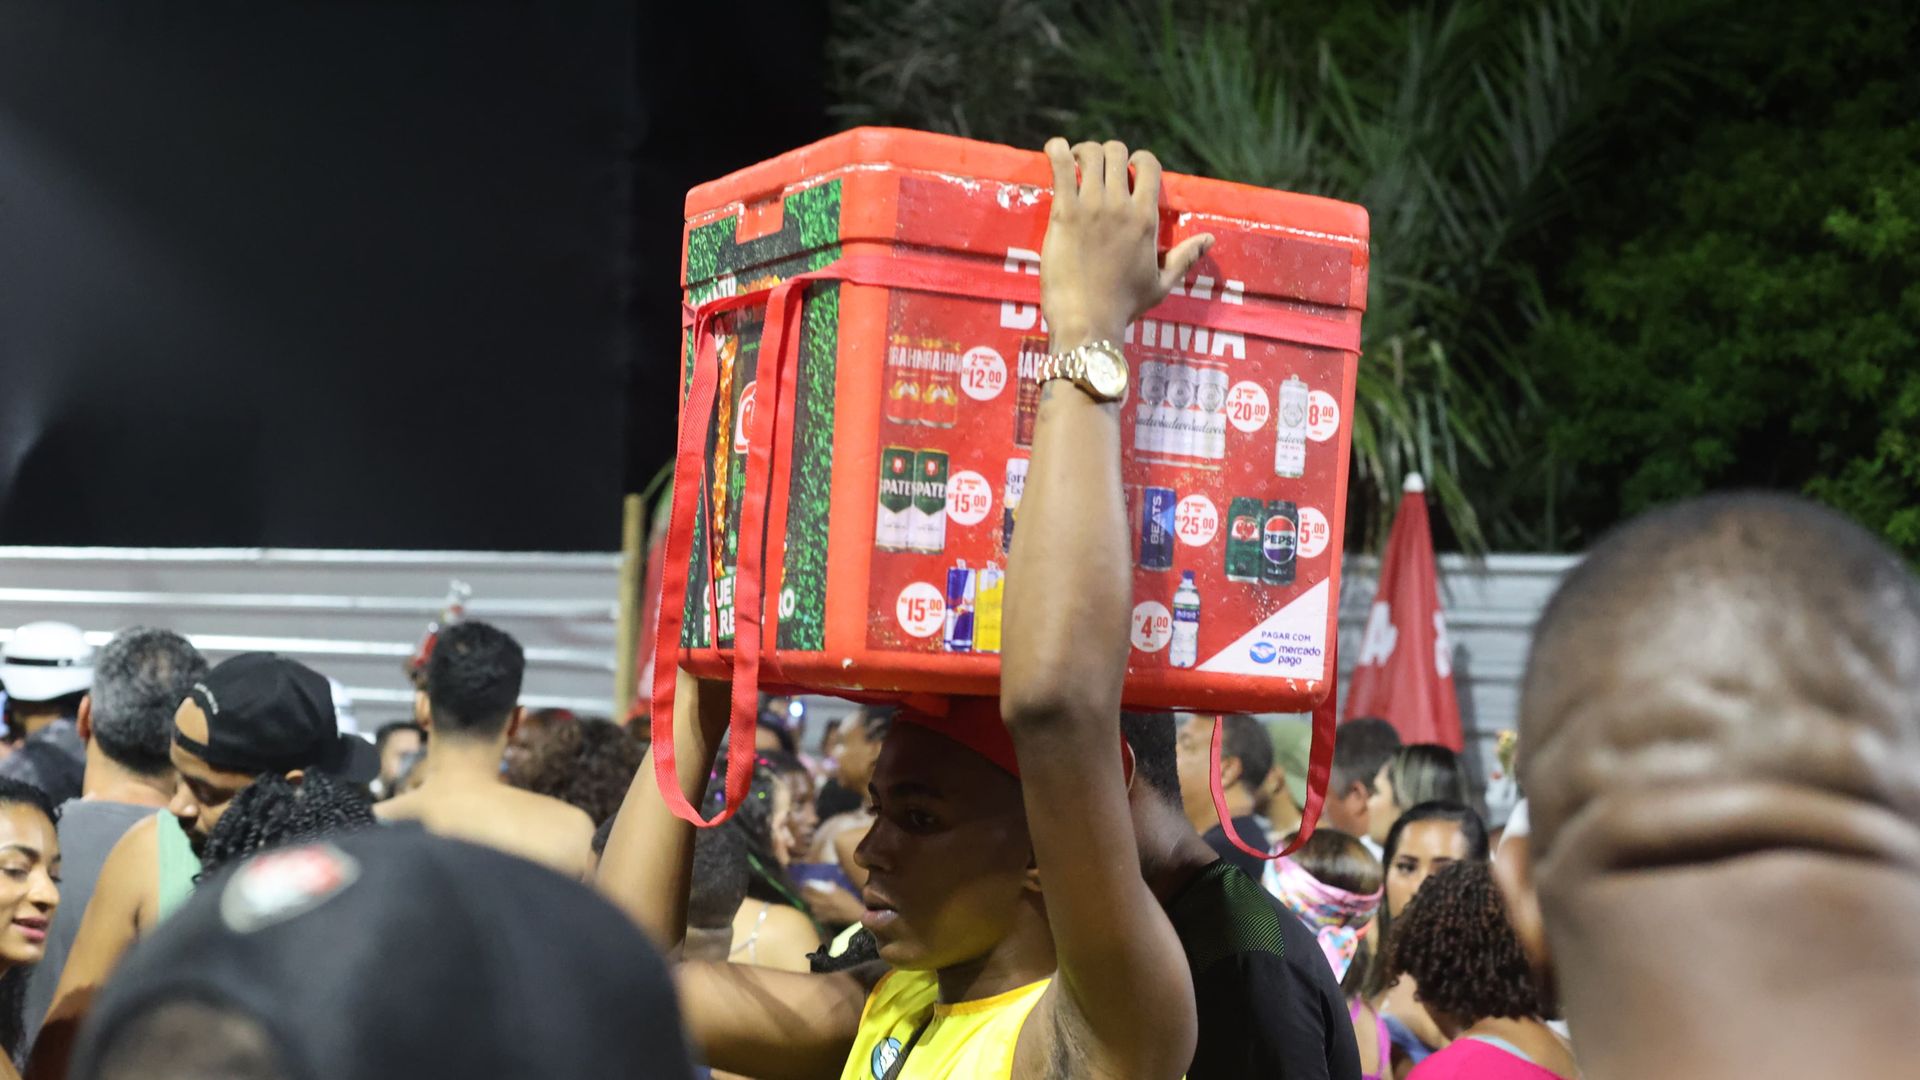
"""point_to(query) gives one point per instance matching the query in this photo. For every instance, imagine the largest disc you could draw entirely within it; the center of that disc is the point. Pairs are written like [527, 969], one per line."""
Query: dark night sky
[359, 275]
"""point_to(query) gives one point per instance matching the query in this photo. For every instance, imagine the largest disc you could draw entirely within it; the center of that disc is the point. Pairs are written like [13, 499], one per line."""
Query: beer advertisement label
[969, 498]
[1202, 433]
[1248, 406]
[1315, 533]
[1195, 521]
[983, 373]
[1152, 626]
[1323, 415]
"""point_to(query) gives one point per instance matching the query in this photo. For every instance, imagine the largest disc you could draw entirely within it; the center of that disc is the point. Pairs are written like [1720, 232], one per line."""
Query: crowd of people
[207, 875]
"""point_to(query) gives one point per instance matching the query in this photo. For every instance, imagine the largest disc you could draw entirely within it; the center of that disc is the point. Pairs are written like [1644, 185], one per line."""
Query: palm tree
[1463, 128]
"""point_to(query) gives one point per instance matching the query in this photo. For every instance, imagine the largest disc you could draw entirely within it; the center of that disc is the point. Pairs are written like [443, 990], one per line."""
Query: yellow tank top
[973, 1040]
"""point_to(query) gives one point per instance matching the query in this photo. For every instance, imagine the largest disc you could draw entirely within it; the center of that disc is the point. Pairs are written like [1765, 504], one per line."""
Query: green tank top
[178, 864]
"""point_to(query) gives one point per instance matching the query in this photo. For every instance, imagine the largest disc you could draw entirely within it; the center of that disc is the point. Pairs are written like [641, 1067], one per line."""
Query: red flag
[1405, 668]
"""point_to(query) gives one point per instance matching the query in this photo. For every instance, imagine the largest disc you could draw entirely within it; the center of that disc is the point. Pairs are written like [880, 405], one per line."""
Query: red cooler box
[872, 418]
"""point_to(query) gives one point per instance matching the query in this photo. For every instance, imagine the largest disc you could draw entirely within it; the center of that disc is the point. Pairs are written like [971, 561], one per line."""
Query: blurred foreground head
[388, 954]
[1721, 744]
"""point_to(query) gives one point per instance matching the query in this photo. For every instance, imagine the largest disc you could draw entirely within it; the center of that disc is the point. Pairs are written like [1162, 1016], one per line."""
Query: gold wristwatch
[1098, 367]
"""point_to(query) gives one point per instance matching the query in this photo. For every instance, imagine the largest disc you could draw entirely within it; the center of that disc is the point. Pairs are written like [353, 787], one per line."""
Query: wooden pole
[633, 573]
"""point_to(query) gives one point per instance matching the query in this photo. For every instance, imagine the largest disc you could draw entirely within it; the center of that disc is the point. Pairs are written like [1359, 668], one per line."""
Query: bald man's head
[1720, 741]
[1723, 651]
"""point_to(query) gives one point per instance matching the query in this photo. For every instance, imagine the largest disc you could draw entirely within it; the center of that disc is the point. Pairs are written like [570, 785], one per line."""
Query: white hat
[46, 660]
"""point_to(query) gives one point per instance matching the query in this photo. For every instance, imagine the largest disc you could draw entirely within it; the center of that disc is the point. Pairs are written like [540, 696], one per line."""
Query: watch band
[1066, 365]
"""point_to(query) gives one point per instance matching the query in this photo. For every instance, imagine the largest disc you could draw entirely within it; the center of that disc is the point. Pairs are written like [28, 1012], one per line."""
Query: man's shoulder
[1225, 913]
[399, 808]
[98, 824]
[551, 812]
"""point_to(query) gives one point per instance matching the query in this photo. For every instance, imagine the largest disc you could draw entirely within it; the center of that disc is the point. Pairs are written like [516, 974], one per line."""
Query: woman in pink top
[1454, 939]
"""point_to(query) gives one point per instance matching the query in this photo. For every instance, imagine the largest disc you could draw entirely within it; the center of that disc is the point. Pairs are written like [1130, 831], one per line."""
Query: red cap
[973, 722]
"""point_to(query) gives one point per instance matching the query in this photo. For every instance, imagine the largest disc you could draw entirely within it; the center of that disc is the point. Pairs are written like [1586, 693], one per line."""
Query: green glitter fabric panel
[704, 246]
[716, 264]
[803, 603]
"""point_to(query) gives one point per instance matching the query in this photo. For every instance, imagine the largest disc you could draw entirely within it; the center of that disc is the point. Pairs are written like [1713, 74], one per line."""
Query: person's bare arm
[114, 918]
[646, 867]
[1126, 1002]
[756, 1021]
[772, 1025]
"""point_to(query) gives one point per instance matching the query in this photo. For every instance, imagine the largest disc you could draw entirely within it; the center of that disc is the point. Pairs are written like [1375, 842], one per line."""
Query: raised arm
[1123, 976]
[648, 862]
[754, 1021]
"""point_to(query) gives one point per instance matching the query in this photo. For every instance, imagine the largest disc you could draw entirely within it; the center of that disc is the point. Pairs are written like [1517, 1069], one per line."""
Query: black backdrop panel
[344, 274]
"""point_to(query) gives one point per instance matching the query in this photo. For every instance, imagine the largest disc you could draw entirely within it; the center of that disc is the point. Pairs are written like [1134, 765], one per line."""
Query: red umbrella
[1404, 671]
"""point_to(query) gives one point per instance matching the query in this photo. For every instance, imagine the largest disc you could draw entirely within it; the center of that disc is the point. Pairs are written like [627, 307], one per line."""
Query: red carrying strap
[1319, 769]
[753, 624]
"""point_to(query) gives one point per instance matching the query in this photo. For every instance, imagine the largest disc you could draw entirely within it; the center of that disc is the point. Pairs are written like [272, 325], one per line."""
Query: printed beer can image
[1149, 433]
[1033, 352]
[1245, 518]
[890, 531]
[1279, 540]
[989, 590]
[1210, 413]
[940, 382]
[1157, 506]
[958, 635]
[903, 385]
[1290, 430]
[927, 520]
[1010, 499]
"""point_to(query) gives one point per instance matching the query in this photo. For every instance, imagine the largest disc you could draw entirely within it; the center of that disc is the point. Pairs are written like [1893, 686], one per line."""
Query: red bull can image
[1156, 528]
[1279, 541]
[961, 585]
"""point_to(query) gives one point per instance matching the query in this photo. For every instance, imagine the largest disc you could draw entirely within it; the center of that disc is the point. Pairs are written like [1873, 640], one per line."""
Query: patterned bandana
[1338, 917]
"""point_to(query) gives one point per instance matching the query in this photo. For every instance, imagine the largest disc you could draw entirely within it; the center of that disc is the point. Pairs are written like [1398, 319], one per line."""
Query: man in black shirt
[1268, 1002]
[1246, 759]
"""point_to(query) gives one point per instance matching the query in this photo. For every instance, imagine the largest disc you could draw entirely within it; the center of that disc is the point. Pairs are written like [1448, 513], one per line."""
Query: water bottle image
[1184, 650]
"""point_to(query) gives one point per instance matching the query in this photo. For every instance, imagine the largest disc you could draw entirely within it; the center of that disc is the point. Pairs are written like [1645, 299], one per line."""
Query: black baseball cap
[396, 954]
[268, 714]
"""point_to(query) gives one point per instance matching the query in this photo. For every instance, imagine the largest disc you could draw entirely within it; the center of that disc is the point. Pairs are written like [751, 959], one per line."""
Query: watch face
[1107, 373]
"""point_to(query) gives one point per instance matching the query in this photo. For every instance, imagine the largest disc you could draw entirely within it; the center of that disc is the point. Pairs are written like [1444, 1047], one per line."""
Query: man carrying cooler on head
[990, 980]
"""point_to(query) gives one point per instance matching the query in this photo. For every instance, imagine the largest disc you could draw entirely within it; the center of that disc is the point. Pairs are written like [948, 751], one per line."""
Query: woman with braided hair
[1454, 939]
[274, 810]
[773, 927]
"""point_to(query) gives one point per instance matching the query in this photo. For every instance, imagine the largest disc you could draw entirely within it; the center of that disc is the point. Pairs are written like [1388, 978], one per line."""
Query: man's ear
[1129, 769]
[84, 721]
[1033, 874]
[515, 720]
[422, 710]
[1229, 773]
[1513, 876]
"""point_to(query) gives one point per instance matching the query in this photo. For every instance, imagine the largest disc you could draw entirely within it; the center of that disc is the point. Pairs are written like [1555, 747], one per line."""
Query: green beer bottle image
[927, 521]
[896, 500]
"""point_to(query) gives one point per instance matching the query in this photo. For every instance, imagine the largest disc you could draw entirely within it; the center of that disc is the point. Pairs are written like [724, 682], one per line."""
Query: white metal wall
[1490, 604]
[357, 615]
[354, 615]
